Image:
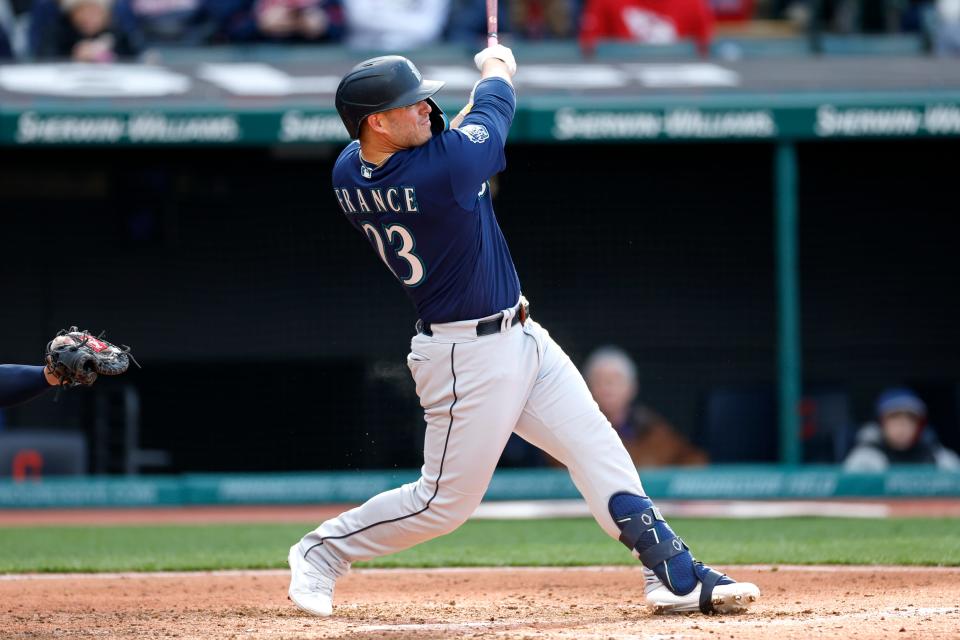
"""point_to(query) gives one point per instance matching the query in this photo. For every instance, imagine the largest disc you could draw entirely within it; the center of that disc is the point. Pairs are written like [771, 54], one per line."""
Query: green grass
[485, 543]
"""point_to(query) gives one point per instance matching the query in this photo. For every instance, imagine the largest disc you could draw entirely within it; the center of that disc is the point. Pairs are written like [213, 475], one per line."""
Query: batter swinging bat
[492, 39]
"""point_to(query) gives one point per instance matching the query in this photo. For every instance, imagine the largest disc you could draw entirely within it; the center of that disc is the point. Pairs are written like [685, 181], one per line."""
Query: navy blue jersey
[428, 214]
[19, 383]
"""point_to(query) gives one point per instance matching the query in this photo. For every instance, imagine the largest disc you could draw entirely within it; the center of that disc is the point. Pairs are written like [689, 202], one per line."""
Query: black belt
[487, 327]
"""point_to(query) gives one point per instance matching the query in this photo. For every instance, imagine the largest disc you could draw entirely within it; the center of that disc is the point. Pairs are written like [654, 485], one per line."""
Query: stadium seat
[871, 45]
[622, 50]
[753, 48]
[740, 424]
[827, 425]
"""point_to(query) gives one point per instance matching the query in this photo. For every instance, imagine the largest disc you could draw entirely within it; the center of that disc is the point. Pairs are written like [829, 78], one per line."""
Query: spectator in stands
[647, 436]
[732, 10]
[188, 23]
[294, 21]
[6, 51]
[646, 22]
[542, 19]
[945, 25]
[468, 21]
[385, 25]
[82, 30]
[901, 437]
[7, 25]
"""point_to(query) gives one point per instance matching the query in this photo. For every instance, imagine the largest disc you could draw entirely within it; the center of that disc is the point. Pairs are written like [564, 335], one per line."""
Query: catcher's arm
[19, 383]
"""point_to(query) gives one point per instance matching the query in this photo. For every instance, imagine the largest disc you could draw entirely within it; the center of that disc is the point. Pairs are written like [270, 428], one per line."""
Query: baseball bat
[492, 39]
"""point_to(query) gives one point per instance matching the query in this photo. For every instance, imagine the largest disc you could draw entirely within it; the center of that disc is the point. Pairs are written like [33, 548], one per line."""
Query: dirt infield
[593, 603]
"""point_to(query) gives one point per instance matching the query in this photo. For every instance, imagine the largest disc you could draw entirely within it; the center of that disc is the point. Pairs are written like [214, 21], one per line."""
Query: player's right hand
[499, 52]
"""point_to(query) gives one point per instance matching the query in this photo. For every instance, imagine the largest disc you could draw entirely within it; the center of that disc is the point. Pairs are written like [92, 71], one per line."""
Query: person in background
[177, 23]
[733, 10]
[386, 25]
[944, 19]
[7, 25]
[6, 51]
[288, 21]
[901, 436]
[468, 21]
[543, 19]
[650, 440]
[646, 22]
[81, 30]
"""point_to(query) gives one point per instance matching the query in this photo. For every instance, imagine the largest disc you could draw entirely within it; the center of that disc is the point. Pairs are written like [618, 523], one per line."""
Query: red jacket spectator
[732, 10]
[646, 21]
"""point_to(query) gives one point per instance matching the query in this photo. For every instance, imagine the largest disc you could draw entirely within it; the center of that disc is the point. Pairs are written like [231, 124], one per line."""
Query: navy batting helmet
[383, 83]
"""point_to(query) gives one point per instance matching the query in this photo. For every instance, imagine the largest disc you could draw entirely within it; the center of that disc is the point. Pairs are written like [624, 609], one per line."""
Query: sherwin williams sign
[291, 102]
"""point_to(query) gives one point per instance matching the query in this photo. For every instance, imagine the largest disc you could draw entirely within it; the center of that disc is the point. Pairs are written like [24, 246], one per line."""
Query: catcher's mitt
[77, 357]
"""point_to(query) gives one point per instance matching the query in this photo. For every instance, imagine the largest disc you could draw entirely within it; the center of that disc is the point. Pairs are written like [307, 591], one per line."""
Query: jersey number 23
[403, 244]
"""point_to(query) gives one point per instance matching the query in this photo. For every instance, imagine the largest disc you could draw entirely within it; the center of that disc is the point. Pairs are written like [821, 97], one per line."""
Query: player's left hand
[499, 52]
[75, 358]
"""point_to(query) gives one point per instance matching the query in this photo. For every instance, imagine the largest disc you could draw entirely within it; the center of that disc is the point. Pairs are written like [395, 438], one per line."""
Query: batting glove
[499, 52]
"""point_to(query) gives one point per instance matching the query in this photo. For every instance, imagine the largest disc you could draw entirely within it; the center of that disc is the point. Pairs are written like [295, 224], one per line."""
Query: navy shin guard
[644, 531]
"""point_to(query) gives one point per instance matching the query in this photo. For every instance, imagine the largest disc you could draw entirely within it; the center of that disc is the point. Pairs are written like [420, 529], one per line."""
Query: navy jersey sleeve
[474, 151]
[19, 383]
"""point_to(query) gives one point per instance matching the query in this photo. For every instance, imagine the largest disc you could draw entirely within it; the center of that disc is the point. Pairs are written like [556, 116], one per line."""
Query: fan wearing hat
[900, 436]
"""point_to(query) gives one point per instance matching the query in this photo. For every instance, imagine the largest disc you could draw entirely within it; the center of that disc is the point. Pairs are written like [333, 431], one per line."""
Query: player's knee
[454, 510]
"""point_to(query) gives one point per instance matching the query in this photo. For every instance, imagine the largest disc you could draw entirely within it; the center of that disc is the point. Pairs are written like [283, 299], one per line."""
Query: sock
[677, 573]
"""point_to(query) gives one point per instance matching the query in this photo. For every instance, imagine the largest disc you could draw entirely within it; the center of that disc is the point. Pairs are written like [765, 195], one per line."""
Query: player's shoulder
[347, 155]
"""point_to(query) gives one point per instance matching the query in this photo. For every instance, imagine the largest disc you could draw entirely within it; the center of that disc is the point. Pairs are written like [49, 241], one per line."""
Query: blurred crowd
[104, 30]
[899, 432]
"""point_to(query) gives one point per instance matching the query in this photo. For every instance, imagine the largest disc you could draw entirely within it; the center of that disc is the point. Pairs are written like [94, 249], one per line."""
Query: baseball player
[73, 358]
[483, 367]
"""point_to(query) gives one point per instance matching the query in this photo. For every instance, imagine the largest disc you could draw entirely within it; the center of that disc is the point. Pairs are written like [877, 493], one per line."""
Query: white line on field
[538, 509]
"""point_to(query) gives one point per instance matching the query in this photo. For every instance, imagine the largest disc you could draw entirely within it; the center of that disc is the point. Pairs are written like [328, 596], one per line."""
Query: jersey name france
[428, 214]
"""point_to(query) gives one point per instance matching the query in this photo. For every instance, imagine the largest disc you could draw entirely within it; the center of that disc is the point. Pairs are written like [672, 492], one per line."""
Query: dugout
[780, 228]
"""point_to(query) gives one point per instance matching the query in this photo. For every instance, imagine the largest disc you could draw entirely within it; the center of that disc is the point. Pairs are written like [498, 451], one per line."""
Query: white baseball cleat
[729, 597]
[310, 590]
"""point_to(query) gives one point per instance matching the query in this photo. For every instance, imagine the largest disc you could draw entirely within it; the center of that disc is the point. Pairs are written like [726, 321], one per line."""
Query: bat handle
[492, 37]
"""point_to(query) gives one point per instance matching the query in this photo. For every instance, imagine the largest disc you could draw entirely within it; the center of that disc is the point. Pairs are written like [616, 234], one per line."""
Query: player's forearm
[19, 383]
[495, 68]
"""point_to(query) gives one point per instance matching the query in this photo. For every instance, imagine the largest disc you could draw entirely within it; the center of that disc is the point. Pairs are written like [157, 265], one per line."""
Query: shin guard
[644, 531]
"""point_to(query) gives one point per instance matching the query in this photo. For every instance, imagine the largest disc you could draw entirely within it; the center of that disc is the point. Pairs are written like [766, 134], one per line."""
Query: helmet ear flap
[438, 119]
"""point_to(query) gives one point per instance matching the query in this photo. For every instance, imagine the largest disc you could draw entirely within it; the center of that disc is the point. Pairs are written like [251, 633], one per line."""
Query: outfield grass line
[126, 575]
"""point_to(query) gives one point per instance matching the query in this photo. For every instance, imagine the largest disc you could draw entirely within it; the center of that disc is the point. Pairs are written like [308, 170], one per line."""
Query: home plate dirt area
[592, 602]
